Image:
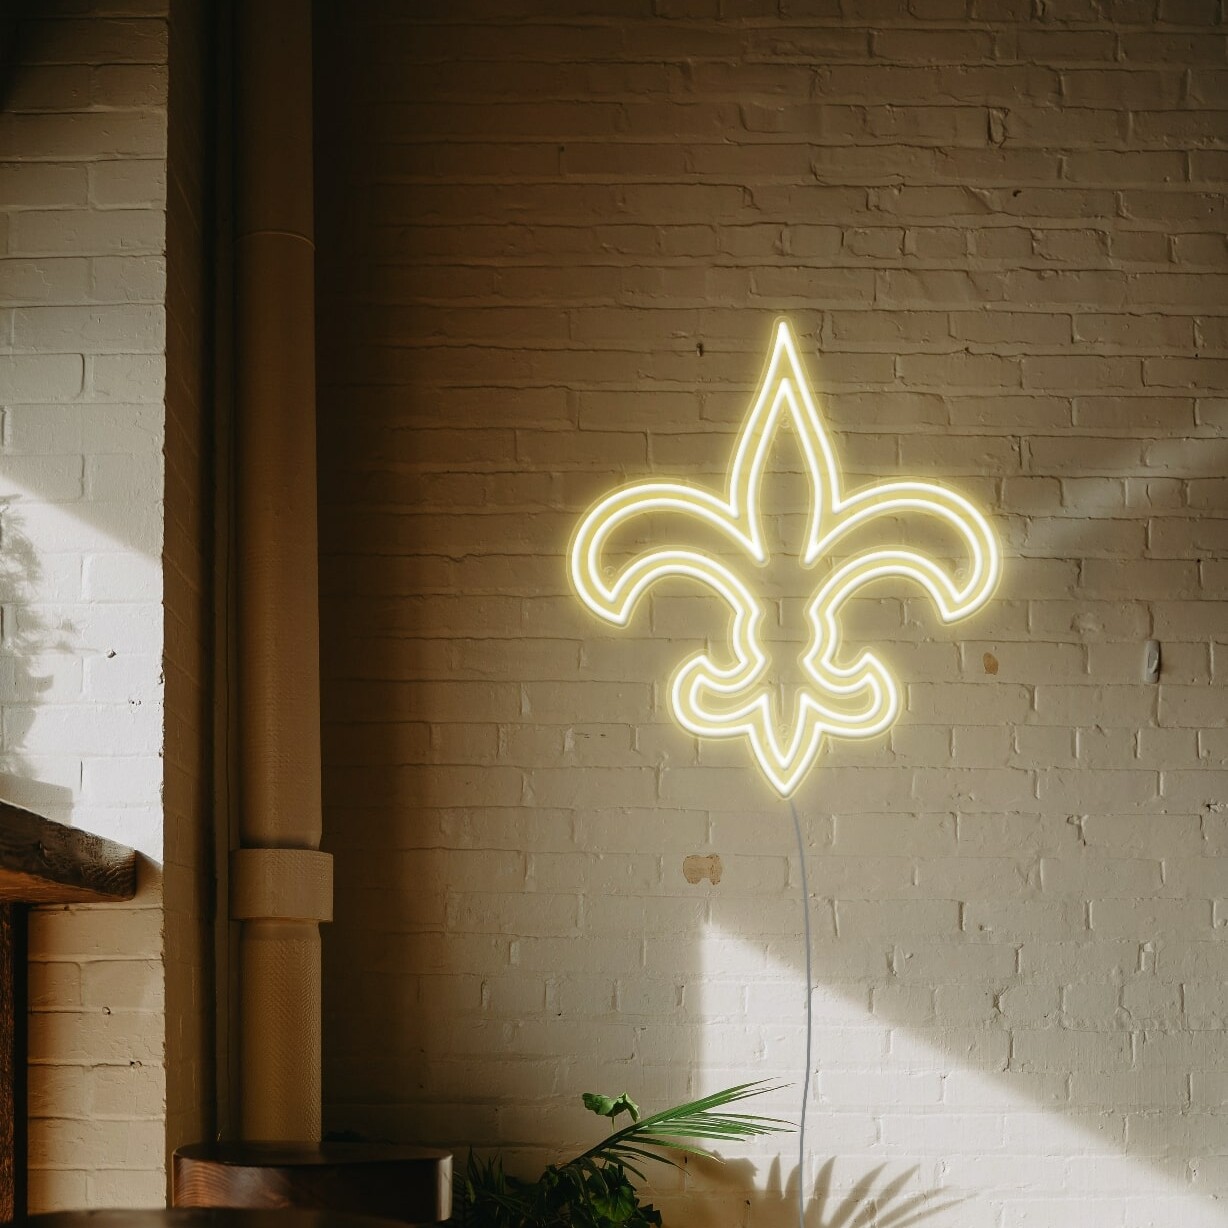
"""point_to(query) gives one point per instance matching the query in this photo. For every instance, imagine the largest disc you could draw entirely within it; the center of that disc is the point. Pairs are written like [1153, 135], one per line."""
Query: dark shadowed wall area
[553, 239]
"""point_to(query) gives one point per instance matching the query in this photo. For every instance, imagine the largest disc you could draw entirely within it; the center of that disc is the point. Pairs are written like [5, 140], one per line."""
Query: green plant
[594, 1190]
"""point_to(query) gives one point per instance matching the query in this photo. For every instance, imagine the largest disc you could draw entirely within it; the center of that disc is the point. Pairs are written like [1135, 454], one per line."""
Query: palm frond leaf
[592, 1189]
[697, 1119]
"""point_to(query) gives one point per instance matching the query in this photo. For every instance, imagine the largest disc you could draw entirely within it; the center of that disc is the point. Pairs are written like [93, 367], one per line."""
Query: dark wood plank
[12, 1061]
[409, 1184]
[205, 1218]
[10, 42]
[42, 862]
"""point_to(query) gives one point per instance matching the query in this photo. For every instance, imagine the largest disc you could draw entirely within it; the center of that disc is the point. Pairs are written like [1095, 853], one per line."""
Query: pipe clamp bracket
[281, 884]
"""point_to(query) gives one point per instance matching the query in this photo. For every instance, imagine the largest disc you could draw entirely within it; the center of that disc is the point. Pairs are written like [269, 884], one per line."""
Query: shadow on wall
[873, 1201]
[26, 641]
[510, 911]
[769, 1199]
[526, 948]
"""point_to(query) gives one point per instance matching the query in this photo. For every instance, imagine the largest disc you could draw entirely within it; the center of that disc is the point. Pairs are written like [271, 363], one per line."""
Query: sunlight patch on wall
[81, 658]
[940, 1117]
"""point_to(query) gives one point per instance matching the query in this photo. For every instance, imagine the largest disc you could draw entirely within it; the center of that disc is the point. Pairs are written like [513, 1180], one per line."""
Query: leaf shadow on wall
[870, 1201]
[28, 640]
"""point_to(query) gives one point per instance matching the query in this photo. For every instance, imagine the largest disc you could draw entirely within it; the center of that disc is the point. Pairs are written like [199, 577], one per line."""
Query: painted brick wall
[82, 337]
[551, 247]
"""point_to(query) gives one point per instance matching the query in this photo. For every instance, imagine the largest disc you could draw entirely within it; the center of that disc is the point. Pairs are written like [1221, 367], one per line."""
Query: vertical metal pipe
[281, 885]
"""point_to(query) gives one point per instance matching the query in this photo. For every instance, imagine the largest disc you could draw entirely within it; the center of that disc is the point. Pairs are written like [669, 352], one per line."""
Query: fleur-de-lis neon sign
[858, 699]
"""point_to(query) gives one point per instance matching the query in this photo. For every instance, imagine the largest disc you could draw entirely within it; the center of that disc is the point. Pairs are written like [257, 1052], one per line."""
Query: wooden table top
[309, 1155]
[397, 1181]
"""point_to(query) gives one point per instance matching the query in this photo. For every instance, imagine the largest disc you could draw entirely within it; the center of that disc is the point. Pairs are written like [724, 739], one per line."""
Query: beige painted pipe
[281, 885]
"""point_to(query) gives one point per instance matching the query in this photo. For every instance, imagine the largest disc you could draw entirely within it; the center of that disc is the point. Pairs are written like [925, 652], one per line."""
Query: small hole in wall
[699, 348]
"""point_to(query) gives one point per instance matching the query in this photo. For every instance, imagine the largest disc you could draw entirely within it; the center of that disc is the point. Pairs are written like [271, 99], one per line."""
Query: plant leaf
[695, 1120]
[611, 1106]
[593, 1190]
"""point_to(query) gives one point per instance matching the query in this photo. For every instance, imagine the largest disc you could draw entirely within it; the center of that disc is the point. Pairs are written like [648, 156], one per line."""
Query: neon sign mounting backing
[711, 699]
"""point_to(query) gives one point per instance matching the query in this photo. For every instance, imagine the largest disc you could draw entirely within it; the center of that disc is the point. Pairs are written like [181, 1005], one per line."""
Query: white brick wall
[551, 249]
[82, 161]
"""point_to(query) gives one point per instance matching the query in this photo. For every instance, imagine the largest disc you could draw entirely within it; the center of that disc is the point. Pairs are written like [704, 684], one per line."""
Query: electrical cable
[801, 1130]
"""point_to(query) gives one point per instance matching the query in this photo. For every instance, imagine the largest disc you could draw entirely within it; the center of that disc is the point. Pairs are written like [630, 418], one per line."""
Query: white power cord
[801, 1130]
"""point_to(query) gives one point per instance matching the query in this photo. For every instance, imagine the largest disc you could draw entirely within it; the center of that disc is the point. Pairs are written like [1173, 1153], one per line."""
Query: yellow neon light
[866, 698]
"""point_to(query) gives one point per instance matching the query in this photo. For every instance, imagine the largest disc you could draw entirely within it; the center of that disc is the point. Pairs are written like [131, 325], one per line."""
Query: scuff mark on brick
[698, 867]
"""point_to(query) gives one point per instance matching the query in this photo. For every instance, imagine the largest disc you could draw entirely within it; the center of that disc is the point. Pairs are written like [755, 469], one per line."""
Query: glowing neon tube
[857, 700]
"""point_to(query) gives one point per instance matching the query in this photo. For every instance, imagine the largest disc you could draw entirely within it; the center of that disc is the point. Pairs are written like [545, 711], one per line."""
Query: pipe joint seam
[281, 884]
[275, 232]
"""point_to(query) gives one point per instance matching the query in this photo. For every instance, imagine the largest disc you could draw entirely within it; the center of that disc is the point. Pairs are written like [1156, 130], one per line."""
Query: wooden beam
[42, 862]
[12, 1062]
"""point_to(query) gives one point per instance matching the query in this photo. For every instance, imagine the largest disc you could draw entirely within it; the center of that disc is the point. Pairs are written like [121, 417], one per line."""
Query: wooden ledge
[390, 1180]
[42, 862]
[202, 1217]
